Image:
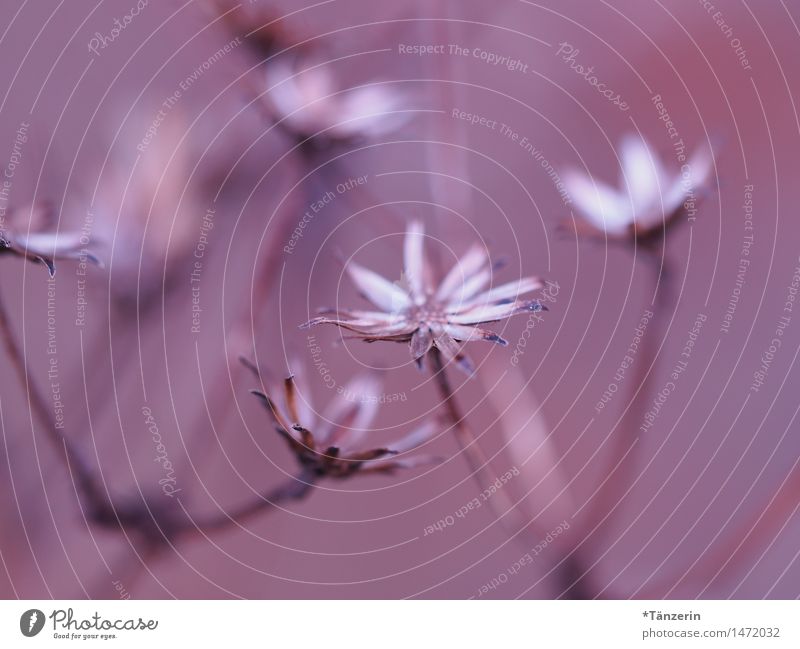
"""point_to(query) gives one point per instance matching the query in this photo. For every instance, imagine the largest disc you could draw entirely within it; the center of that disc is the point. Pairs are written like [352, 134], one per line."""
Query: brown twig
[38, 406]
[475, 456]
[568, 572]
[620, 476]
[294, 489]
[501, 504]
[623, 456]
[618, 483]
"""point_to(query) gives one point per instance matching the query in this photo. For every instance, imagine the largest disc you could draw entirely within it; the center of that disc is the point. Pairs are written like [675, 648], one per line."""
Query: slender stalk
[295, 489]
[502, 506]
[97, 505]
[158, 527]
[39, 408]
[620, 475]
[571, 579]
[624, 455]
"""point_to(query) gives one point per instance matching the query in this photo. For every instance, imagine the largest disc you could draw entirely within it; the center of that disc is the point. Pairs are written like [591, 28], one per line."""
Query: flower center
[428, 313]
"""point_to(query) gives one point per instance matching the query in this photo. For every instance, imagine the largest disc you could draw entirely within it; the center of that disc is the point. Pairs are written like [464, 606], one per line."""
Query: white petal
[367, 328]
[299, 97]
[494, 313]
[472, 287]
[416, 438]
[414, 261]
[367, 110]
[679, 190]
[468, 333]
[509, 291]
[472, 262]
[378, 317]
[642, 175]
[50, 244]
[378, 290]
[699, 170]
[701, 165]
[421, 342]
[351, 412]
[451, 350]
[600, 204]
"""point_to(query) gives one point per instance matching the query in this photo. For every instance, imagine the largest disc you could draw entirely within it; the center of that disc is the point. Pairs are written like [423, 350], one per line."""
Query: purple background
[716, 455]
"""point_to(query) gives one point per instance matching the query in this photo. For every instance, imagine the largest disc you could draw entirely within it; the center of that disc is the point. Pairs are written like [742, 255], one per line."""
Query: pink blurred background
[716, 455]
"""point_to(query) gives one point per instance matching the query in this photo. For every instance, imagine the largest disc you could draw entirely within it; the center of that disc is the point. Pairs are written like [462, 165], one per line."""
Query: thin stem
[500, 503]
[572, 581]
[39, 407]
[295, 489]
[624, 454]
[98, 506]
[160, 528]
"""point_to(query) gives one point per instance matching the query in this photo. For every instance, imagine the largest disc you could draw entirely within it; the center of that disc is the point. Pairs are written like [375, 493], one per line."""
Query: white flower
[648, 199]
[332, 445]
[32, 235]
[308, 103]
[424, 316]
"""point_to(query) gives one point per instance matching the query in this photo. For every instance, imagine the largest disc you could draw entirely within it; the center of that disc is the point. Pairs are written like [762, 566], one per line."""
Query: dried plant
[306, 101]
[435, 320]
[332, 444]
[645, 208]
[43, 244]
[647, 202]
[425, 316]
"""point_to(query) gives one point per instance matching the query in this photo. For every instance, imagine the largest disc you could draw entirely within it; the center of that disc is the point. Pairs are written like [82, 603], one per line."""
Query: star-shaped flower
[309, 104]
[331, 445]
[424, 316]
[32, 236]
[649, 198]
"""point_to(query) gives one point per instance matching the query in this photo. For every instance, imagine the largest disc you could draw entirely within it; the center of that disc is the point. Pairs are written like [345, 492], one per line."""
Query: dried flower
[33, 235]
[415, 312]
[649, 199]
[308, 104]
[331, 445]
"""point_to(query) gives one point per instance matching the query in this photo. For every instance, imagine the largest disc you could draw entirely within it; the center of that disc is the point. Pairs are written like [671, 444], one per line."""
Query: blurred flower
[331, 445]
[649, 199]
[415, 312]
[150, 208]
[308, 104]
[33, 234]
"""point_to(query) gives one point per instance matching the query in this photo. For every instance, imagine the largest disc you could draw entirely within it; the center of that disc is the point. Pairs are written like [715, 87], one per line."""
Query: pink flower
[308, 104]
[33, 235]
[649, 198]
[331, 445]
[425, 316]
